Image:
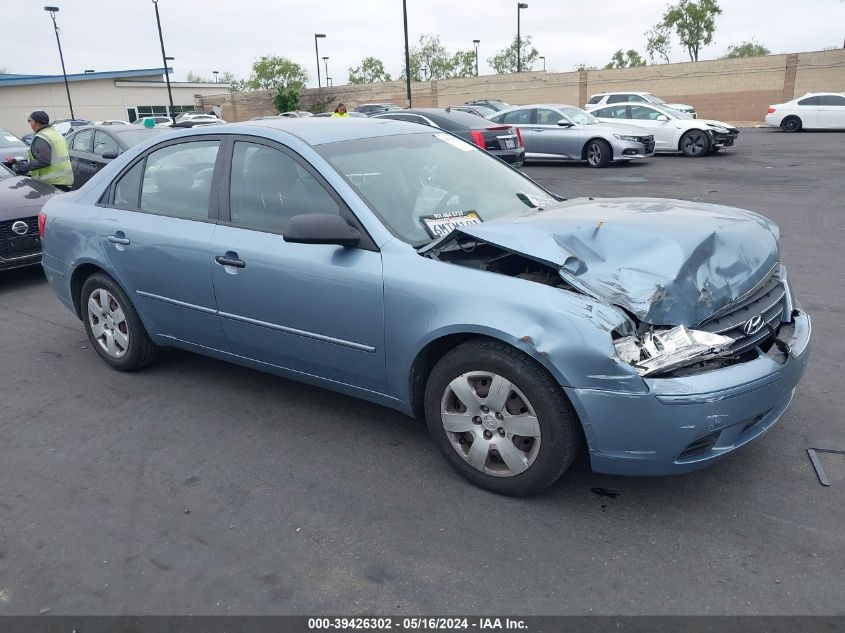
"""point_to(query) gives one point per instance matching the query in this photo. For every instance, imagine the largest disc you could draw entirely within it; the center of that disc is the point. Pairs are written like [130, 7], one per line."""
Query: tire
[113, 325]
[695, 143]
[791, 124]
[598, 153]
[550, 437]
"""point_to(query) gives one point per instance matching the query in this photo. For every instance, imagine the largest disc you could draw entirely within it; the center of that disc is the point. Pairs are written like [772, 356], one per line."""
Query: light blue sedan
[407, 267]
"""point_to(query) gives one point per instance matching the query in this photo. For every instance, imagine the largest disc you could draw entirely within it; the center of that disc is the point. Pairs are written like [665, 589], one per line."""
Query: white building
[123, 94]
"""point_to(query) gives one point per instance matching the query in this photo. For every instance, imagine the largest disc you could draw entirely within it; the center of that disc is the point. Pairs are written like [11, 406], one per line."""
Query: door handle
[119, 238]
[229, 261]
[538, 129]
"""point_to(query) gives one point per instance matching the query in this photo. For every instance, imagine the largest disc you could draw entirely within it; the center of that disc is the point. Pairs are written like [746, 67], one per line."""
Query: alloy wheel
[695, 144]
[108, 323]
[594, 154]
[490, 423]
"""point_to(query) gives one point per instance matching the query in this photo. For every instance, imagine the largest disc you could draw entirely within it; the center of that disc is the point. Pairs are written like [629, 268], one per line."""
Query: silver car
[564, 132]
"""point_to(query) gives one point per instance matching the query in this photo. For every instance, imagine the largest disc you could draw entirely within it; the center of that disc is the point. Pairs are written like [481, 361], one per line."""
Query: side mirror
[321, 228]
[564, 123]
[662, 117]
[110, 155]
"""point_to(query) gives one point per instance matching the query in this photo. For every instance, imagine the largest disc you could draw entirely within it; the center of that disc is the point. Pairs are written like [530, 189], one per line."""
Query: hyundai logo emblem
[20, 228]
[753, 325]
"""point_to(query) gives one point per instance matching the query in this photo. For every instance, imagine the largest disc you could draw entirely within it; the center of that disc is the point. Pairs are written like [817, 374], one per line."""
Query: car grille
[648, 143]
[9, 239]
[767, 301]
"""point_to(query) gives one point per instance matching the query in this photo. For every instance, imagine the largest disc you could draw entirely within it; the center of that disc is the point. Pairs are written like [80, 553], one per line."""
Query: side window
[617, 99]
[82, 141]
[831, 100]
[104, 143]
[644, 114]
[177, 180]
[499, 118]
[268, 188]
[128, 188]
[517, 117]
[594, 100]
[809, 101]
[618, 112]
[547, 117]
[636, 99]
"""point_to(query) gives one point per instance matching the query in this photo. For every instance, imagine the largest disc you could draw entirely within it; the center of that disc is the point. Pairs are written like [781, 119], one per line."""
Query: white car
[813, 111]
[159, 121]
[673, 131]
[609, 98]
[111, 122]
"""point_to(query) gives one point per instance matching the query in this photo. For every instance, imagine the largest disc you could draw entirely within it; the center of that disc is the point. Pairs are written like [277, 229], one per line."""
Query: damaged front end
[664, 350]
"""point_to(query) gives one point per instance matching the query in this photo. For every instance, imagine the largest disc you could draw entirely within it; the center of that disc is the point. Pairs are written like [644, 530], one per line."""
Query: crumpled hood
[669, 262]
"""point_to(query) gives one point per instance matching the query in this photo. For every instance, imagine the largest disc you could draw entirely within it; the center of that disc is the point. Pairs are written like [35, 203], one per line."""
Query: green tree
[693, 22]
[370, 71]
[583, 66]
[658, 42]
[286, 99]
[751, 48]
[431, 55]
[272, 72]
[463, 64]
[504, 61]
[630, 59]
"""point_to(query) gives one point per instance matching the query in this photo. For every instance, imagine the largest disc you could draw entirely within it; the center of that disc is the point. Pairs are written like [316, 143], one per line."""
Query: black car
[493, 104]
[21, 199]
[92, 148]
[503, 141]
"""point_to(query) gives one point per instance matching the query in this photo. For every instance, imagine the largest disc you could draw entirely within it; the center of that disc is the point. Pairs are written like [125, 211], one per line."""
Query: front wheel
[695, 143]
[791, 124]
[113, 326]
[598, 153]
[499, 419]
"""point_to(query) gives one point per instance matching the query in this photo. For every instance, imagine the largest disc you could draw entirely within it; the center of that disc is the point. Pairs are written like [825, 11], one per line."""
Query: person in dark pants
[48, 160]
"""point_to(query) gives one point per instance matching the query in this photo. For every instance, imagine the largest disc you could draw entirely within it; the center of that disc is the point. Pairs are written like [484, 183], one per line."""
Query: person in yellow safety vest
[48, 160]
[340, 111]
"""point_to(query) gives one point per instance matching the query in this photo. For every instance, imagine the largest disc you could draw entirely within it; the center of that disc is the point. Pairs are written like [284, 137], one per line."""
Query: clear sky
[206, 35]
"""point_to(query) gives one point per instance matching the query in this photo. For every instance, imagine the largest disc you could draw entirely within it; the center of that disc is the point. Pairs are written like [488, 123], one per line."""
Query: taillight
[478, 139]
[519, 136]
[42, 224]
[771, 110]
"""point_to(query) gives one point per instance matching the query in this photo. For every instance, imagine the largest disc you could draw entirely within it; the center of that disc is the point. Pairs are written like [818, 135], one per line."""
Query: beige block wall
[822, 71]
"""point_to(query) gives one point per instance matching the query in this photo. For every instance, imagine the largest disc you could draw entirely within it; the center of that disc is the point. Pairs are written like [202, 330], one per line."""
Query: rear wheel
[499, 419]
[598, 153]
[791, 124]
[695, 143]
[113, 326]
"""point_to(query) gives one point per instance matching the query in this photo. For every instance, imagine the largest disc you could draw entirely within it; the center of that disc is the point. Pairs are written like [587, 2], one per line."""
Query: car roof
[620, 92]
[819, 94]
[322, 130]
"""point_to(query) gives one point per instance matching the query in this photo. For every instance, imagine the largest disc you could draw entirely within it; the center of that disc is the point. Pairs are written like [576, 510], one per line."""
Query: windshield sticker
[440, 224]
[533, 201]
[455, 142]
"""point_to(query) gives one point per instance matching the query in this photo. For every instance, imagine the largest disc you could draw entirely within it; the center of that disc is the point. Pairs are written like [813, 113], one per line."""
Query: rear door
[520, 119]
[552, 140]
[665, 132]
[832, 111]
[809, 111]
[156, 232]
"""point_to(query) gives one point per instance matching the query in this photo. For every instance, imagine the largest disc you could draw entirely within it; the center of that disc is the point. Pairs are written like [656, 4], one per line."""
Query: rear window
[594, 100]
[809, 101]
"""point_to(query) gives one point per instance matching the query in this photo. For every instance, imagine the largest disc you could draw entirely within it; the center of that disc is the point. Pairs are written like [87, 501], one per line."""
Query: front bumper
[8, 262]
[716, 412]
[632, 150]
[720, 139]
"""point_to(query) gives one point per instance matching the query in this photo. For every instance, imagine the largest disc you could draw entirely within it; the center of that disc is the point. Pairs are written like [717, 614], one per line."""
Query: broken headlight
[664, 350]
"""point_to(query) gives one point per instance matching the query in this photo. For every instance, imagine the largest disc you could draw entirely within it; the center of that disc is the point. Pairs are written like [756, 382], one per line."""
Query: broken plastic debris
[663, 350]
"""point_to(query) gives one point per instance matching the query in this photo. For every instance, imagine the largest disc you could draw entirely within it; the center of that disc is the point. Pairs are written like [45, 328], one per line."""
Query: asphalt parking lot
[197, 487]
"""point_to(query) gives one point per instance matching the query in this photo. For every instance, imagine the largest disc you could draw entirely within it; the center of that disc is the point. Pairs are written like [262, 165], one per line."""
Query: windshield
[672, 113]
[5, 172]
[407, 180]
[652, 99]
[7, 139]
[576, 115]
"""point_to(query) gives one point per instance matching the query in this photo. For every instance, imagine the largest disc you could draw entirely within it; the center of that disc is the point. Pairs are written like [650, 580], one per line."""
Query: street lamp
[52, 11]
[476, 42]
[544, 63]
[215, 72]
[519, 7]
[422, 73]
[317, 48]
[326, 62]
[328, 81]
[164, 58]
[407, 53]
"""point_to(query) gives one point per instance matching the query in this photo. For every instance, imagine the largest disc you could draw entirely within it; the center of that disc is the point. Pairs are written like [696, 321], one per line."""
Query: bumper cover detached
[720, 139]
[686, 423]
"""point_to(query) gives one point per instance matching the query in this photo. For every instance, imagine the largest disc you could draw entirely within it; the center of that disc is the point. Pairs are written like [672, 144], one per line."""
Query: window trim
[224, 216]
[213, 200]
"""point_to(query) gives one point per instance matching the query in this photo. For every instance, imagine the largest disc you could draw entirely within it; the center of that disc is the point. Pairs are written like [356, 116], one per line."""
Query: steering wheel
[454, 190]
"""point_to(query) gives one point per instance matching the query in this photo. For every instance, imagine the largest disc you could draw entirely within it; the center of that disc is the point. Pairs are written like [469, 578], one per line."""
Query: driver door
[552, 140]
[665, 132]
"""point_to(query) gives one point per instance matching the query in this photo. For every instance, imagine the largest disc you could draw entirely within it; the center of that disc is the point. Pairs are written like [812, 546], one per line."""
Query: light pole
[328, 81]
[519, 7]
[476, 42]
[164, 59]
[422, 72]
[544, 63]
[407, 53]
[215, 72]
[317, 36]
[52, 11]
[326, 62]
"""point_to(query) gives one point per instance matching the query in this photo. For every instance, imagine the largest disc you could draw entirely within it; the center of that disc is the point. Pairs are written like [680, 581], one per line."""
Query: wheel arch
[78, 278]
[590, 140]
[692, 129]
